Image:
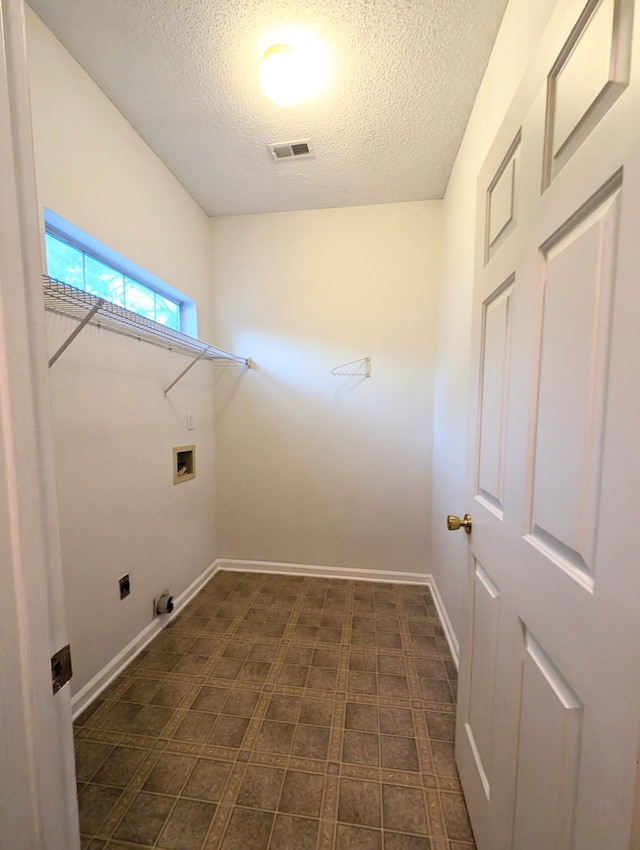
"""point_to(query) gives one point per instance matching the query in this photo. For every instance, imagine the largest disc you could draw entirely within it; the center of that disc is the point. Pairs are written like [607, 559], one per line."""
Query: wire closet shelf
[85, 308]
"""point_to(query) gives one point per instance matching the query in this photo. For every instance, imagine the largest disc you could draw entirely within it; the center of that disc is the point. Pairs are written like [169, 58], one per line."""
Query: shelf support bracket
[354, 369]
[75, 333]
[184, 371]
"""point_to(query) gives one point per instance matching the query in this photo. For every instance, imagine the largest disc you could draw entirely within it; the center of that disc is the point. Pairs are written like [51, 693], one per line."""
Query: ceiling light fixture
[292, 72]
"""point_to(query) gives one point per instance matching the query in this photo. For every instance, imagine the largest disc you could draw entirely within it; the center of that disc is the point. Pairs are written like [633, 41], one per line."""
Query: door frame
[38, 806]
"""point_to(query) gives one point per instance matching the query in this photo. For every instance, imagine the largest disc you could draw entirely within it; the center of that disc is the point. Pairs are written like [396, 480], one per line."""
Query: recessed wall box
[184, 463]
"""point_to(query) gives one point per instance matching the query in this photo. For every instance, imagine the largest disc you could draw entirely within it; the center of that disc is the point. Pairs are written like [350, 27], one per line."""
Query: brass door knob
[454, 523]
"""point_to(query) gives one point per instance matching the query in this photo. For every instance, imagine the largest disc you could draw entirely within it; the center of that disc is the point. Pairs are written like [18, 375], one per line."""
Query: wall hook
[356, 368]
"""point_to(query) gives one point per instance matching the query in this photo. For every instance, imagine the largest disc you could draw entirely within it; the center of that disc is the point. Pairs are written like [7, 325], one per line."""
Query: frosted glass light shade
[289, 74]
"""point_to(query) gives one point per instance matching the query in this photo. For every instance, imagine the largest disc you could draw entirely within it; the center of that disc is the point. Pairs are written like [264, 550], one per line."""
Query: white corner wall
[313, 468]
[113, 430]
[522, 25]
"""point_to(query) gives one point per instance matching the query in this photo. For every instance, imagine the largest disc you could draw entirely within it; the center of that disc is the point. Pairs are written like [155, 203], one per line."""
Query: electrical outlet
[125, 586]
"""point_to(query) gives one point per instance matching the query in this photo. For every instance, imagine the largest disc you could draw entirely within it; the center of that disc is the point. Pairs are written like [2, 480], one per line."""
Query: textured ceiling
[386, 128]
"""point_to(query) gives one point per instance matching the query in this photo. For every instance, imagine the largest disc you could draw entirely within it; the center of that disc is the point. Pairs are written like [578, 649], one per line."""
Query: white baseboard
[110, 671]
[315, 571]
[277, 568]
[449, 633]
[102, 679]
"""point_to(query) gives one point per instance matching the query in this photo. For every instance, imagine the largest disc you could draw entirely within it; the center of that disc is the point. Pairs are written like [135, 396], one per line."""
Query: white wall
[523, 23]
[314, 468]
[114, 431]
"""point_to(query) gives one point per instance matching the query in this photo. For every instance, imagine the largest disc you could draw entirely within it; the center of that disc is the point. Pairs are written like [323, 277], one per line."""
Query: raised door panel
[496, 337]
[501, 201]
[578, 281]
[479, 723]
[589, 75]
[548, 755]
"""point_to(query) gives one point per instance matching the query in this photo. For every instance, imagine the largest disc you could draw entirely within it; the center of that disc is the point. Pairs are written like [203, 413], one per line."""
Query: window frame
[64, 231]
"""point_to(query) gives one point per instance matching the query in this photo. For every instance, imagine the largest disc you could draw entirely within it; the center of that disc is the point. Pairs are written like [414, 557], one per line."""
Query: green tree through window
[69, 264]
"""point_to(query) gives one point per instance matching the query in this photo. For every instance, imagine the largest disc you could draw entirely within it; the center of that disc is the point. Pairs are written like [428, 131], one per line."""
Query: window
[72, 265]
[78, 259]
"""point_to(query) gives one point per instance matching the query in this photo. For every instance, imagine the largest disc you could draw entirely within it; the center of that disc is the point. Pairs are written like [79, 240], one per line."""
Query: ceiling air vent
[291, 150]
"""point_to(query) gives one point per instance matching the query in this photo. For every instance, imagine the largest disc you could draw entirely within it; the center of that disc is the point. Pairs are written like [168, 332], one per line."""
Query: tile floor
[280, 712]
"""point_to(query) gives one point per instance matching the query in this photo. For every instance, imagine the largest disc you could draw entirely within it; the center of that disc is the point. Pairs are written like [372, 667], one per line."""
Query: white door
[549, 701]
[38, 810]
